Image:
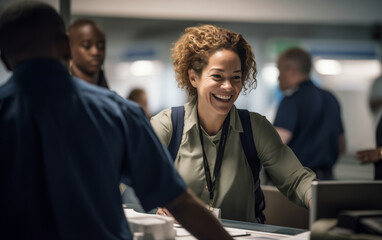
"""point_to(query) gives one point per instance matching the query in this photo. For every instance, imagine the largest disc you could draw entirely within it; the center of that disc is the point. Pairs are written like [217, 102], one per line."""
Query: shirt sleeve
[162, 126]
[285, 170]
[153, 176]
[286, 116]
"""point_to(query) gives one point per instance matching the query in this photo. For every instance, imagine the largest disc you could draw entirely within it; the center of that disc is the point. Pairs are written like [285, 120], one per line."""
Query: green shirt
[234, 191]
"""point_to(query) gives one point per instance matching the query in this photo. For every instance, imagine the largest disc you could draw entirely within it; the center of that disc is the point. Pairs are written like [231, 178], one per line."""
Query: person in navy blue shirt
[308, 118]
[65, 145]
[374, 156]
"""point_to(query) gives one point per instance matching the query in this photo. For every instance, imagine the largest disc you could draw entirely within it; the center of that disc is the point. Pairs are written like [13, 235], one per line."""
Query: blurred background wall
[343, 37]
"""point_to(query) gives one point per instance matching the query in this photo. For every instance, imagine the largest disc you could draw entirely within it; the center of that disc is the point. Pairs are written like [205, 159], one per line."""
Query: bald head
[32, 30]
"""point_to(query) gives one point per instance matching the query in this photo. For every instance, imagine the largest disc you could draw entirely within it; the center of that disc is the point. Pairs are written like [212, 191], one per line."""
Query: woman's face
[88, 48]
[219, 84]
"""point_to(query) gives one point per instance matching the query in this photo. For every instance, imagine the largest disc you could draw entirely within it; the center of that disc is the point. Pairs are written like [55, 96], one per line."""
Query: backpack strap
[250, 151]
[177, 118]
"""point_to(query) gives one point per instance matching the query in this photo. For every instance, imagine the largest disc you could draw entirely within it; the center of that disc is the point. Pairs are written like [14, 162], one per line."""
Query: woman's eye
[237, 78]
[216, 76]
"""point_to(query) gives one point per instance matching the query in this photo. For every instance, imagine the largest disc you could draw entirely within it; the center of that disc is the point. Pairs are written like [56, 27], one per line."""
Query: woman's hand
[166, 213]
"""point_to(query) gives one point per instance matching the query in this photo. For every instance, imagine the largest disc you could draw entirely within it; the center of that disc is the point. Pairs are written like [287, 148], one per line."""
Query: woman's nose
[227, 84]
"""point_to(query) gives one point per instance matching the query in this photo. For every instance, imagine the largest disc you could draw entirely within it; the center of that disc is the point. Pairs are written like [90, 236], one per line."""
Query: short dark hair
[298, 56]
[136, 94]
[82, 22]
[29, 27]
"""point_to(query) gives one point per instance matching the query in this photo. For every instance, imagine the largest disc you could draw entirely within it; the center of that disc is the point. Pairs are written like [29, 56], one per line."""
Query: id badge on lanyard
[215, 211]
[219, 158]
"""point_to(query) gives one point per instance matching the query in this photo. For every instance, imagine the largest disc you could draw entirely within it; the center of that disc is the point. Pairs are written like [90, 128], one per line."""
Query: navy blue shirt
[313, 116]
[65, 145]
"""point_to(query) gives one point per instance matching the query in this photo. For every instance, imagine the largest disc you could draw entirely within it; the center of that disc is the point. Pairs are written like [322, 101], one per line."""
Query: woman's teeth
[223, 97]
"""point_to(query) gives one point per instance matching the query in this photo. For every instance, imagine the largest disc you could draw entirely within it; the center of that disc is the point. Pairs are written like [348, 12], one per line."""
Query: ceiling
[346, 12]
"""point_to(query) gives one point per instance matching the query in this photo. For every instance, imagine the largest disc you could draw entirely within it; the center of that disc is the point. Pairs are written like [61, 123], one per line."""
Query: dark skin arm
[369, 155]
[190, 212]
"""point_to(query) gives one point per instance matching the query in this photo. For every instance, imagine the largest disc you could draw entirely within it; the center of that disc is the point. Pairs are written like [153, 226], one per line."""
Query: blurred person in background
[139, 96]
[87, 42]
[375, 98]
[213, 65]
[308, 118]
[65, 145]
[373, 155]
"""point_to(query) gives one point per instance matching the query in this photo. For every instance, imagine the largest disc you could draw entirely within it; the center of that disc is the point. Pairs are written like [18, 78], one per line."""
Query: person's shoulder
[94, 92]
[103, 97]
[87, 88]
[166, 113]
[257, 117]
[329, 96]
[260, 124]
[162, 115]
[162, 125]
[254, 116]
[328, 93]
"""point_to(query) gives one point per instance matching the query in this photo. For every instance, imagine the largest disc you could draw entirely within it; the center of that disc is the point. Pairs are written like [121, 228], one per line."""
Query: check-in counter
[238, 229]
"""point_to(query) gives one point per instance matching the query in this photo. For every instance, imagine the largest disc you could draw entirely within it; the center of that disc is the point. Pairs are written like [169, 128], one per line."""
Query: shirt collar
[292, 90]
[45, 75]
[191, 119]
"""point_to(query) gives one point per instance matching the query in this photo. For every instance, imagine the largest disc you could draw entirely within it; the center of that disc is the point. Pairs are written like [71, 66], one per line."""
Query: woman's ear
[192, 77]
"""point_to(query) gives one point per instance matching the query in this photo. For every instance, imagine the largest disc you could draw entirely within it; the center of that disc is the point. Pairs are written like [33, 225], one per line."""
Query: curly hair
[197, 44]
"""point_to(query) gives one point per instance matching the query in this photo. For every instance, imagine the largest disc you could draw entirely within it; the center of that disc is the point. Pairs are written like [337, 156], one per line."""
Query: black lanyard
[219, 157]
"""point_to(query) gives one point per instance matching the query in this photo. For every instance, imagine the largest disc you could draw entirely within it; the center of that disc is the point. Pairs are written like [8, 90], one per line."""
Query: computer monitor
[329, 198]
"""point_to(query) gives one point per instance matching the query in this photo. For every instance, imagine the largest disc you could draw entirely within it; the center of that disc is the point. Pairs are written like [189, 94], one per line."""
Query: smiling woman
[221, 149]
[218, 87]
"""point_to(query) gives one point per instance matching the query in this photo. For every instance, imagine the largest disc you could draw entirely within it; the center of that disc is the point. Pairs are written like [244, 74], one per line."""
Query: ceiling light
[328, 67]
